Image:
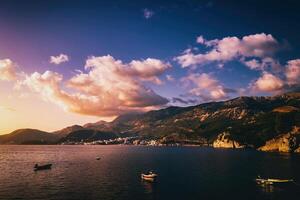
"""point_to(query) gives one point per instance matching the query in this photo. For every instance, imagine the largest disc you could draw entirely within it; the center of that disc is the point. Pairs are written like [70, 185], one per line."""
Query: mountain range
[248, 121]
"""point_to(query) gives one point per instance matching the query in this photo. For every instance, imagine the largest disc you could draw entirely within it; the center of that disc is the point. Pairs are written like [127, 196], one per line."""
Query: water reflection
[185, 173]
[267, 188]
[149, 186]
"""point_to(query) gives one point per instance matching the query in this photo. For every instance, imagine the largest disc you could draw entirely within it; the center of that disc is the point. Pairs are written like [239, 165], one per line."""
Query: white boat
[272, 181]
[149, 177]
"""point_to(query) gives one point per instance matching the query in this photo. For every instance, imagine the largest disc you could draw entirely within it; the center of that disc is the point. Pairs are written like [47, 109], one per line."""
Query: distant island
[263, 123]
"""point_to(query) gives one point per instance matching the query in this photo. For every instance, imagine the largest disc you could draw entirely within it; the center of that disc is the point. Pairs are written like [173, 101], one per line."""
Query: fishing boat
[272, 181]
[149, 177]
[42, 167]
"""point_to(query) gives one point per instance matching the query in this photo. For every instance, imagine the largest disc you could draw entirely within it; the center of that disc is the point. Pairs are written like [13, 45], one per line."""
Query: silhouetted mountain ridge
[28, 136]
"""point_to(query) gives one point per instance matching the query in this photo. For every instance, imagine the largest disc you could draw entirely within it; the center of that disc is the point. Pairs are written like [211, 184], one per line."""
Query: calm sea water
[184, 173]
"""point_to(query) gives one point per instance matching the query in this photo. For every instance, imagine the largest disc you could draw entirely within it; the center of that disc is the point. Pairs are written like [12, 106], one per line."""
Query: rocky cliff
[224, 141]
[288, 142]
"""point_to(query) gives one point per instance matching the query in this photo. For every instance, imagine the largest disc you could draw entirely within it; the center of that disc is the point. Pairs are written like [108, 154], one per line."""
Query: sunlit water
[184, 173]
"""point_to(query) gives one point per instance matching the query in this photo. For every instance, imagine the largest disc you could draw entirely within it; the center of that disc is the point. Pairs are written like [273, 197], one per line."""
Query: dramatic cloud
[293, 72]
[229, 48]
[145, 70]
[205, 86]
[59, 59]
[110, 87]
[148, 13]
[268, 83]
[7, 70]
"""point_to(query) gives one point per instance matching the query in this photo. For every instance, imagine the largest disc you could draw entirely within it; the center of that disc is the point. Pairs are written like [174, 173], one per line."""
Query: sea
[183, 173]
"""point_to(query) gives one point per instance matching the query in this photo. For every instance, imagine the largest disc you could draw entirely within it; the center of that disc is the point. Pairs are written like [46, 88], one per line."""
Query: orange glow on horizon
[19, 110]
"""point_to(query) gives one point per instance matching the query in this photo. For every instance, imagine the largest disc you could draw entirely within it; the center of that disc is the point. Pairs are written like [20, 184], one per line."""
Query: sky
[73, 62]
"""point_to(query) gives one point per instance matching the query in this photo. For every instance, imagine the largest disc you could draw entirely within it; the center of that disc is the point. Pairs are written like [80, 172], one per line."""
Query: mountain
[250, 121]
[236, 123]
[66, 131]
[88, 135]
[97, 125]
[28, 136]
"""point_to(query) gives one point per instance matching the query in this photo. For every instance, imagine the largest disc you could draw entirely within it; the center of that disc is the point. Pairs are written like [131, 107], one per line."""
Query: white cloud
[205, 86]
[148, 70]
[109, 88]
[145, 70]
[253, 64]
[229, 48]
[262, 64]
[293, 72]
[268, 83]
[7, 70]
[59, 59]
[148, 13]
[200, 39]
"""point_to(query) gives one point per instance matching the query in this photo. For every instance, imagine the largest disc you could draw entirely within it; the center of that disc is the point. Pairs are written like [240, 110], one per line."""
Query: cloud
[229, 48]
[262, 64]
[109, 88]
[59, 59]
[205, 86]
[268, 83]
[7, 70]
[170, 77]
[253, 64]
[293, 72]
[200, 39]
[183, 101]
[148, 13]
[145, 70]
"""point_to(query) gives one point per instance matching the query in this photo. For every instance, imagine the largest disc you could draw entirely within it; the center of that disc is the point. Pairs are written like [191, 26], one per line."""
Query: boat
[42, 167]
[98, 158]
[272, 181]
[149, 177]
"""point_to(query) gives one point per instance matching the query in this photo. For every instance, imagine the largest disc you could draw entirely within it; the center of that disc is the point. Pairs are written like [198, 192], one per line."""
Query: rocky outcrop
[224, 141]
[288, 142]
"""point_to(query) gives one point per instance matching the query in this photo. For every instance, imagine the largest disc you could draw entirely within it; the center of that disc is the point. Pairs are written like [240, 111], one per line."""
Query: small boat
[149, 177]
[42, 167]
[272, 181]
[98, 158]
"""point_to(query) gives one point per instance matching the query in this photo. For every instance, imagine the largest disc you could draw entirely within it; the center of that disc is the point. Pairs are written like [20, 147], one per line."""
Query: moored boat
[149, 177]
[42, 167]
[272, 181]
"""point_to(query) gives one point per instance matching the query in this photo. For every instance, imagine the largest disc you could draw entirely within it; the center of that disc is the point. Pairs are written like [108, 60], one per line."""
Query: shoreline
[160, 146]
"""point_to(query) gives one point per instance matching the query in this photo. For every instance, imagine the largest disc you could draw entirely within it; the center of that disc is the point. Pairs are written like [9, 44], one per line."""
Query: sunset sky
[74, 62]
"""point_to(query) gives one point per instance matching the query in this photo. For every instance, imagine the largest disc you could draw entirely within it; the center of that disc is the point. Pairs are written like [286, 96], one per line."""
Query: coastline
[162, 146]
